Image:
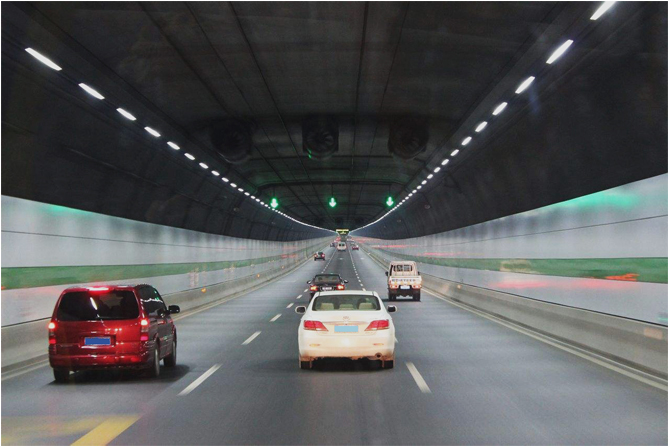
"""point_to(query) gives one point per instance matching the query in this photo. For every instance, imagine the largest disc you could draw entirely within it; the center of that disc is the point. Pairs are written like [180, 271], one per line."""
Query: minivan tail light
[378, 325]
[144, 330]
[52, 333]
[314, 325]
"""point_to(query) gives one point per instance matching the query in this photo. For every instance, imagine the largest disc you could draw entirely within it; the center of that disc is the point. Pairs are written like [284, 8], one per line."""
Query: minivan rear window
[90, 305]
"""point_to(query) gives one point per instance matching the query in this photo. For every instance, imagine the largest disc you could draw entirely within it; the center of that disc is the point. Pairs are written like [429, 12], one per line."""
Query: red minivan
[105, 327]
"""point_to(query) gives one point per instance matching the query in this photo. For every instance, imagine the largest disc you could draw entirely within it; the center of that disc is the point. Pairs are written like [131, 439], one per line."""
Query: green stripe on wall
[651, 270]
[32, 277]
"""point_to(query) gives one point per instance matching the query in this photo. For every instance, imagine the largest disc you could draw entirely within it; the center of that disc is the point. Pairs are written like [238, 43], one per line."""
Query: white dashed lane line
[423, 387]
[299, 296]
[305, 291]
[200, 380]
[289, 305]
[275, 318]
[251, 338]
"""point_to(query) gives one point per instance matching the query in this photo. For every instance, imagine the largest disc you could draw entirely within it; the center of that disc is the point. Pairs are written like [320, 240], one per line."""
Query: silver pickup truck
[403, 279]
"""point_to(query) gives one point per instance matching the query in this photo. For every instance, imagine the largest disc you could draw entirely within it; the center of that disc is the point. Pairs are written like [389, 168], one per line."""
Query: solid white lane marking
[251, 338]
[289, 305]
[299, 296]
[200, 380]
[423, 387]
[275, 318]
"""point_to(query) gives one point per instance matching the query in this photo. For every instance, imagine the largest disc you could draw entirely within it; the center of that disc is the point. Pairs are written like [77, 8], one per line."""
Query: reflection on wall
[606, 252]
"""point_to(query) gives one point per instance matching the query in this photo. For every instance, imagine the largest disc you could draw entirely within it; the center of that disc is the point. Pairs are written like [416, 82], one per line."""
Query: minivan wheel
[61, 375]
[155, 368]
[171, 359]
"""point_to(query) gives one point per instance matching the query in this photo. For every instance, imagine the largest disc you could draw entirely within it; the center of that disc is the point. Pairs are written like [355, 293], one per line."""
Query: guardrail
[639, 345]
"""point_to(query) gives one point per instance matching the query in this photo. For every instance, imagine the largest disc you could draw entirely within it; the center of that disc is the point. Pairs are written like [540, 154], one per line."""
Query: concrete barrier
[26, 344]
[640, 345]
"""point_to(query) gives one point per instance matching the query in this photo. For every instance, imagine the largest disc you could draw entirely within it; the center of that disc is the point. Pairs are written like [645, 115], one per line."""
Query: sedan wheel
[305, 365]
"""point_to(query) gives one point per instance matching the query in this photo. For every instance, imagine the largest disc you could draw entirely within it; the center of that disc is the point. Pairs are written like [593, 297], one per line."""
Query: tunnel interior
[511, 157]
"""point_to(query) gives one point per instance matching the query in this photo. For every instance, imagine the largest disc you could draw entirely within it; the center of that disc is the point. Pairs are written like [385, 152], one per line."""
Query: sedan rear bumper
[315, 345]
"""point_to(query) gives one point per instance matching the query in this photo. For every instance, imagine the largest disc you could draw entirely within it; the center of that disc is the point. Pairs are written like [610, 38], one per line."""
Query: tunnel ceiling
[299, 101]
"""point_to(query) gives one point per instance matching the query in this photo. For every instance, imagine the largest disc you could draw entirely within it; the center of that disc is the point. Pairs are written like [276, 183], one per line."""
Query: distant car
[346, 324]
[403, 279]
[319, 256]
[106, 327]
[354, 247]
[341, 246]
[326, 282]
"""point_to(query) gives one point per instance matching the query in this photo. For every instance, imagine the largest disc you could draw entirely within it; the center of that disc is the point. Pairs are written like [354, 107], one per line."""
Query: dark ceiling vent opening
[408, 137]
[320, 136]
[232, 139]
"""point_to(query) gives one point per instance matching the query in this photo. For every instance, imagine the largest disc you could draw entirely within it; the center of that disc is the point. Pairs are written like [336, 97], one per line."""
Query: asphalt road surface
[459, 379]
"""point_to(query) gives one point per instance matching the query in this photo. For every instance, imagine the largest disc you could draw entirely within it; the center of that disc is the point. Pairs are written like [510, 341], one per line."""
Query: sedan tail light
[378, 325]
[340, 287]
[313, 288]
[314, 325]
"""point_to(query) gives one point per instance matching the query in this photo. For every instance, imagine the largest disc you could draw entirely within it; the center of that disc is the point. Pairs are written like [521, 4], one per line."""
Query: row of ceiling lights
[129, 116]
[496, 111]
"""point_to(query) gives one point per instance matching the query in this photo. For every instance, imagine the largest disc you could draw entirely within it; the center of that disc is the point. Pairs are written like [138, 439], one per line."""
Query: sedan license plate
[404, 287]
[98, 341]
[346, 328]
[327, 288]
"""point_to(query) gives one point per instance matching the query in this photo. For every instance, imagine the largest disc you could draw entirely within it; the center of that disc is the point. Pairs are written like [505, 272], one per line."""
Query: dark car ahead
[326, 282]
[106, 327]
[319, 256]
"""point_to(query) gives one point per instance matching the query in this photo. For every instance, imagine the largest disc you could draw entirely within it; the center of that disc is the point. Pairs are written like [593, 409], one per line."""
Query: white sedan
[346, 324]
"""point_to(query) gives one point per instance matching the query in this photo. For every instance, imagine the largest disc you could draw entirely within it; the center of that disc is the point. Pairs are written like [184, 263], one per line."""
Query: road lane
[489, 384]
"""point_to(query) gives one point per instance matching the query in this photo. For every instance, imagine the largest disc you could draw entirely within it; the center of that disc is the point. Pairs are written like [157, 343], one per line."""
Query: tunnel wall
[46, 248]
[605, 252]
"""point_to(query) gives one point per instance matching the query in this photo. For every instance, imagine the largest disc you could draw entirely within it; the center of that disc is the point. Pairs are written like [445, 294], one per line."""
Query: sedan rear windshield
[89, 305]
[346, 302]
[327, 279]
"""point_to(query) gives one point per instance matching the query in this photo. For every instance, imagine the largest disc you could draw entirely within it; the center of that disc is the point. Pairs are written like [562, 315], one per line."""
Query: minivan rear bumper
[92, 361]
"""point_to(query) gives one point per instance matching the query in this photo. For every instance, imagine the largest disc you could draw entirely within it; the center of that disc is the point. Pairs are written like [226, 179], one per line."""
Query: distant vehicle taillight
[52, 333]
[340, 287]
[313, 288]
[314, 325]
[144, 330]
[378, 325]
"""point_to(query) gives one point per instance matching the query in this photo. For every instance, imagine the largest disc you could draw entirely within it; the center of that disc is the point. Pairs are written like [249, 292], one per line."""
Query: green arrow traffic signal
[274, 203]
[332, 202]
[389, 201]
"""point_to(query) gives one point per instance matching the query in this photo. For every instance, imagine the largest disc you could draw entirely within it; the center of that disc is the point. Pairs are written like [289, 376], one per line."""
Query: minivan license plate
[98, 341]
